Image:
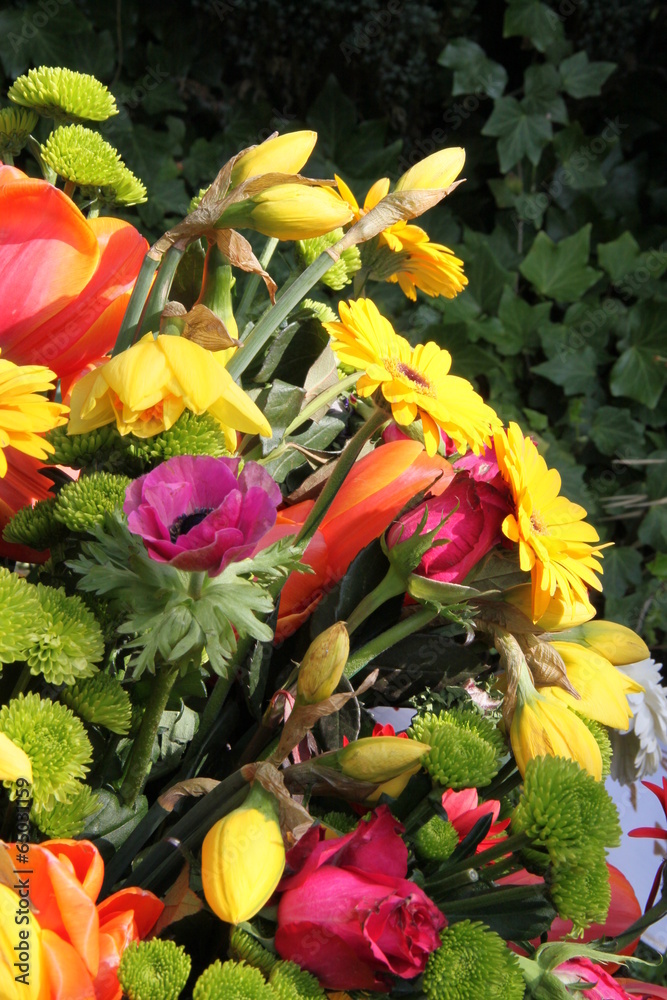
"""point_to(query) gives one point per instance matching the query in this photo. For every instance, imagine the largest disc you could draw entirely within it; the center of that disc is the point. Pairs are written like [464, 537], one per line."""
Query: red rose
[347, 912]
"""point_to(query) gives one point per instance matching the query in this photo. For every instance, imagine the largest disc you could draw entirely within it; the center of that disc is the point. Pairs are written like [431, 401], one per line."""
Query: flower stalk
[140, 758]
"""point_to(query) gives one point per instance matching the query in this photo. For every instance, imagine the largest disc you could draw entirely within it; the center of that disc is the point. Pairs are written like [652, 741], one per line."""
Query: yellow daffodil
[146, 388]
[24, 413]
[438, 170]
[430, 267]
[283, 154]
[14, 762]
[559, 614]
[414, 381]
[243, 858]
[554, 540]
[381, 758]
[602, 689]
[619, 644]
[289, 212]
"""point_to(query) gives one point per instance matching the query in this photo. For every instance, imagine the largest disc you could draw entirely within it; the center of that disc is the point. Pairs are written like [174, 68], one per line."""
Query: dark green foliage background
[561, 222]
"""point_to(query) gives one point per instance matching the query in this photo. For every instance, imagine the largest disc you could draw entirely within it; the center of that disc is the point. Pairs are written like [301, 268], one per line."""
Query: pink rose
[348, 914]
[582, 970]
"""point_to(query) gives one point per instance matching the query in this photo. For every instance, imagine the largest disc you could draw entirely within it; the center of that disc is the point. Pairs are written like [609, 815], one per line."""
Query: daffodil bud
[380, 758]
[282, 154]
[438, 170]
[243, 858]
[322, 667]
[289, 212]
[617, 643]
[14, 762]
[559, 615]
[394, 787]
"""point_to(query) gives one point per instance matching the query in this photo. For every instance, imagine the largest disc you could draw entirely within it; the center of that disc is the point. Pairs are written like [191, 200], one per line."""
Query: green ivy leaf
[619, 256]
[534, 20]
[582, 78]
[542, 86]
[519, 134]
[653, 529]
[474, 72]
[580, 164]
[560, 270]
[622, 570]
[576, 372]
[520, 322]
[641, 371]
[613, 430]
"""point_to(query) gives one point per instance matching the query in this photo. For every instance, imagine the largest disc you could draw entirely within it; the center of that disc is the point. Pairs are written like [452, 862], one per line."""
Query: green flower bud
[436, 840]
[339, 821]
[63, 94]
[473, 962]
[70, 643]
[190, 435]
[322, 667]
[581, 893]
[466, 748]
[244, 947]
[81, 156]
[82, 504]
[79, 451]
[35, 526]
[21, 616]
[380, 758]
[323, 312]
[340, 274]
[67, 819]
[153, 970]
[232, 981]
[601, 737]
[15, 128]
[290, 982]
[102, 701]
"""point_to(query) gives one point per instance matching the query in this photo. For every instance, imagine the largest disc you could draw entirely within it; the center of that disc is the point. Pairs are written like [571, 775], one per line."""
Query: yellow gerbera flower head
[414, 381]
[24, 413]
[431, 267]
[554, 540]
[146, 388]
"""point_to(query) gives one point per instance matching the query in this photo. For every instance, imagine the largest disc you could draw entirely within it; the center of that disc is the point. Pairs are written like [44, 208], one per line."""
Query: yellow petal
[283, 154]
[438, 170]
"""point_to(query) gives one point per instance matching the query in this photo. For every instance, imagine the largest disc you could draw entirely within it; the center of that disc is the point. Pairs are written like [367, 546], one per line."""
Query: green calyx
[290, 982]
[63, 94]
[101, 700]
[232, 981]
[153, 970]
[56, 743]
[84, 503]
[16, 125]
[466, 748]
[21, 616]
[566, 811]
[472, 962]
[70, 643]
[340, 274]
[81, 156]
[244, 947]
[436, 840]
[35, 526]
[67, 819]
[581, 893]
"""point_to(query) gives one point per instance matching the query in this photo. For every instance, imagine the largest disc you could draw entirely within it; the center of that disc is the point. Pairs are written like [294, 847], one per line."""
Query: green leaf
[487, 276]
[333, 116]
[111, 826]
[474, 72]
[580, 164]
[614, 431]
[519, 134]
[622, 569]
[582, 78]
[560, 270]
[639, 374]
[576, 372]
[658, 566]
[542, 86]
[653, 529]
[619, 256]
[280, 407]
[520, 322]
[534, 20]
[316, 438]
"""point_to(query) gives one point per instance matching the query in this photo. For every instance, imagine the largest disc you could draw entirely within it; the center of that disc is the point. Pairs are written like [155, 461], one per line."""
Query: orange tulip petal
[77, 911]
[144, 906]
[67, 974]
[86, 862]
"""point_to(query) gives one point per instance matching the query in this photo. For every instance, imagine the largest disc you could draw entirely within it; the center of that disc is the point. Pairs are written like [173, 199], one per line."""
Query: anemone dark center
[186, 522]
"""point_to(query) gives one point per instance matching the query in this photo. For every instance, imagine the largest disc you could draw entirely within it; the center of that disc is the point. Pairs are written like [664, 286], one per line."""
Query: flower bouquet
[238, 526]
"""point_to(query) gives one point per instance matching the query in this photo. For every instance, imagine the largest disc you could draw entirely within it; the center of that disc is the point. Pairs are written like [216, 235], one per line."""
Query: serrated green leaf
[582, 78]
[519, 133]
[534, 20]
[474, 72]
[560, 270]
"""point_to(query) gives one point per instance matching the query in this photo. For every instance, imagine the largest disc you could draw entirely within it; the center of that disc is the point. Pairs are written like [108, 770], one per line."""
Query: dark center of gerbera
[417, 379]
[186, 522]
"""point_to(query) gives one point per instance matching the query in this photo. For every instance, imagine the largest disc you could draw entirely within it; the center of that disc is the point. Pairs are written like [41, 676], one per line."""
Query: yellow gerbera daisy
[431, 267]
[415, 381]
[24, 414]
[554, 540]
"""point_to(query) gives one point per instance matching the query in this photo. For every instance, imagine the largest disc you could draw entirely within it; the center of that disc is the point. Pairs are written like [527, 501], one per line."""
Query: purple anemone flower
[198, 513]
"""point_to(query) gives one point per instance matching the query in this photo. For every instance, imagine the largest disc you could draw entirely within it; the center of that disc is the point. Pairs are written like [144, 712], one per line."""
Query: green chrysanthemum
[601, 737]
[67, 819]
[79, 450]
[82, 156]
[581, 893]
[15, 128]
[102, 701]
[153, 970]
[194, 201]
[567, 811]
[35, 526]
[54, 740]
[70, 643]
[84, 503]
[63, 94]
[436, 839]
[290, 982]
[340, 821]
[473, 962]
[126, 189]
[324, 313]
[232, 981]
[466, 748]
[21, 616]
[339, 274]
[244, 947]
[190, 435]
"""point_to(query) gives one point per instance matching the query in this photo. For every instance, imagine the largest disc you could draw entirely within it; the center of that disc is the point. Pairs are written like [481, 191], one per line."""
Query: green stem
[8, 159]
[70, 188]
[34, 147]
[639, 926]
[325, 397]
[507, 845]
[136, 304]
[406, 627]
[269, 323]
[253, 282]
[352, 450]
[392, 585]
[140, 758]
[150, 322]
[22, 681]
[214, 703]
[481, 901]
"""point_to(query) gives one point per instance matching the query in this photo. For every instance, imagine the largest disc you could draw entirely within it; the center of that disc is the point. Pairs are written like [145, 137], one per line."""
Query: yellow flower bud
[380, 758]
[559, 615]
[394, 787]
[543, 727]
[438, 170]
[243, 858]
[284, 154]
[289, 212]
[322, 666]
[618, 644]
[601, 687]
[14, 762]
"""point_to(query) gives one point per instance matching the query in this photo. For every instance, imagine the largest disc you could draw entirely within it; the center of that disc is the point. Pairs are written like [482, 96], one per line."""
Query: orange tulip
[82, 941]
[375, 491]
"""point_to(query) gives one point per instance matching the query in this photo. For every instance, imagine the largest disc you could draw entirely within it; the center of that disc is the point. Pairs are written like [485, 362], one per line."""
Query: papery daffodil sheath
[146, 388]
[282, 154]
[414, 381]
[289, 212]
[243, 858]
[24, 413]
